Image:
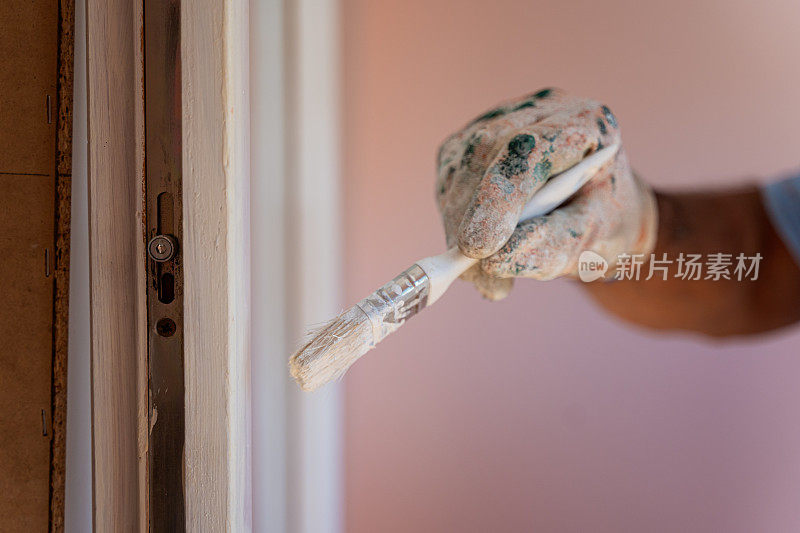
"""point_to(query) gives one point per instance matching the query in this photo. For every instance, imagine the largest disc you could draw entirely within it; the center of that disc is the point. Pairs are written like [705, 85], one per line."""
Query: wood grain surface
[28, 80]
[118, 322]
[216, 264]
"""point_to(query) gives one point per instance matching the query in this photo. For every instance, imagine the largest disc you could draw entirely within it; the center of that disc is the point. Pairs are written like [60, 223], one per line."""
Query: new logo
[591, 266]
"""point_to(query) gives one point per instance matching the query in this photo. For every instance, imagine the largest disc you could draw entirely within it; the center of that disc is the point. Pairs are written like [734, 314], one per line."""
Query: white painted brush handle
[444, 268]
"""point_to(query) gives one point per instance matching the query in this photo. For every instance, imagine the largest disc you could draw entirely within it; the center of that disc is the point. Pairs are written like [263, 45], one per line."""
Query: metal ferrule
[394, 303]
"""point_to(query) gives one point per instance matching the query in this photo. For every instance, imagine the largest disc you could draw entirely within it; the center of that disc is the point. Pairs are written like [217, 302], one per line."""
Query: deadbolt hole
[166, 213]
[166, 327]
[166, 288]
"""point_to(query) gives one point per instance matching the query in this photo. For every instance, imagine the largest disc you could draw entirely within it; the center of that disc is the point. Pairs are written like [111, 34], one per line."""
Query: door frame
[214, 252]
[296, 461]
[118, 311]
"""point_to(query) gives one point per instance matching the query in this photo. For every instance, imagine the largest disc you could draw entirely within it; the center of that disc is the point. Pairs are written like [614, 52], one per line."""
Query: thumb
[491, 288]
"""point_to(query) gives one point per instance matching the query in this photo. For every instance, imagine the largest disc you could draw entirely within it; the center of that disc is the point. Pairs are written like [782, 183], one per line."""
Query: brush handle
[444, 268]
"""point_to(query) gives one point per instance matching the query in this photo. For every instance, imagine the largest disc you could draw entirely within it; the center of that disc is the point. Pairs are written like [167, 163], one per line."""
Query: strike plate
[162, 106]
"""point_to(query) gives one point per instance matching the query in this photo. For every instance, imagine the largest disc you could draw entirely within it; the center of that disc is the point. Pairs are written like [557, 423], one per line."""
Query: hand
[489, 170]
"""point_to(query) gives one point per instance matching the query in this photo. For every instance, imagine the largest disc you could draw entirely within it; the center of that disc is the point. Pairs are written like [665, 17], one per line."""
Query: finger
[464, 156]
[461, 174]
[489, 287]
[542, 248]
[523, 165]
[465, 163]
[472, 147]
[549, 246]
[542, 102]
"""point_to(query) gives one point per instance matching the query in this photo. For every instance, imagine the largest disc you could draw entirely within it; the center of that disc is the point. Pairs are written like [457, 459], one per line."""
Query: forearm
[730, 222]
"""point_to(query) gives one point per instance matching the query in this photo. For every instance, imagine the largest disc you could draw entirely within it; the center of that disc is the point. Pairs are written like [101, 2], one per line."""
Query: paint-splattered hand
[489, 170]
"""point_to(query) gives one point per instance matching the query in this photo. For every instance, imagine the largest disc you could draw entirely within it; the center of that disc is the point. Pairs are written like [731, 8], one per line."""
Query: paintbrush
[332, 348]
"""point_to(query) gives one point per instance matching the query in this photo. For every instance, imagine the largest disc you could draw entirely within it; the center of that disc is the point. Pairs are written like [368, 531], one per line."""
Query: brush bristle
[332, 349]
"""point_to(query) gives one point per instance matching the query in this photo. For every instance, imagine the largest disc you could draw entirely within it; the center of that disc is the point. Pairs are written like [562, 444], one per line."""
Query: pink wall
[540, 411]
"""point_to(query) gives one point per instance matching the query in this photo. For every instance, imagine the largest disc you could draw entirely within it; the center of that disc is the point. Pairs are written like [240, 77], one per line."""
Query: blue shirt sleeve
[782, 201]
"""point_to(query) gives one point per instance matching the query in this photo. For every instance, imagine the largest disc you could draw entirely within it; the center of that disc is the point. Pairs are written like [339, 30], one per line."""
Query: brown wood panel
[28, 52]
[26, 219]
[28, 116]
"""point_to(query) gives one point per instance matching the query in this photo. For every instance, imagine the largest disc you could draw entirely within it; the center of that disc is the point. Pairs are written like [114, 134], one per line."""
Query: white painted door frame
[296, 253]
[216, 263]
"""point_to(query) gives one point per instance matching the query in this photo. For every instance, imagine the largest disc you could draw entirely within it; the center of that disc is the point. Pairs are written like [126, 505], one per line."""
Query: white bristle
[331, 349]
